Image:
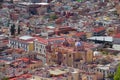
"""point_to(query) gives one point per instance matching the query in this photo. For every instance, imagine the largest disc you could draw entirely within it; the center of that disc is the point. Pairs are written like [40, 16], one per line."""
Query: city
[59, 40]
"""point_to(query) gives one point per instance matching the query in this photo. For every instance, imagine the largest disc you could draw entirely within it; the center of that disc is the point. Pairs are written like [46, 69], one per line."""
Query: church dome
[78, 44]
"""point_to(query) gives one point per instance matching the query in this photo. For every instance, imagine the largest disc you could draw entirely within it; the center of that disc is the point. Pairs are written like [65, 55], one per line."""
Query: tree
[5, 78]
[12, 30]
[53, 16]
[117, 74]
[79, 0]
[19, 29]
[110, 76]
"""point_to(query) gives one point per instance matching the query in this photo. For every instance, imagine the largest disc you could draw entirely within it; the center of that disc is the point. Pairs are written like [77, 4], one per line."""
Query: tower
[78, 46]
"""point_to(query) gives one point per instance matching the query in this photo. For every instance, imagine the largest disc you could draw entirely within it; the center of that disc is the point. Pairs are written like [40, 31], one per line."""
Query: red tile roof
[24, 59]
[23, 41]
[42, 40]
[21, 76]
[54, 39]
[99, 29]
[80, 34]
[117, 35]
[45, 41]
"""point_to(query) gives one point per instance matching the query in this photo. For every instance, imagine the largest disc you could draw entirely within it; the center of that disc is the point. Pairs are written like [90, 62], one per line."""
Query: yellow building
[23, 42]
[118, 8]
[69, 56]
[89, 77]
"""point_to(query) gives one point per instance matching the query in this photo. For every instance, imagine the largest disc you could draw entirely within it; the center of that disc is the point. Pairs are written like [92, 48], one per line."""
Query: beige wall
[89, 56]
[116, 46]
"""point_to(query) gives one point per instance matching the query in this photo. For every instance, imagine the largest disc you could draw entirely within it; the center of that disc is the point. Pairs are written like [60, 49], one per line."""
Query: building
[81, 35]
[72, 54]
[56, 73]
[116, 42]
[100, 31]
[23, 42]
[118, 8]
[90, 76]
[64, 29]
[41, 45]
[32, 6]
[15, 64]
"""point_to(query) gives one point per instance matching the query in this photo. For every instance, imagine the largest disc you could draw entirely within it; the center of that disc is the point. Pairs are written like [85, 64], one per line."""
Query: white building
[116, 42]
[23, 42]
[41, 43]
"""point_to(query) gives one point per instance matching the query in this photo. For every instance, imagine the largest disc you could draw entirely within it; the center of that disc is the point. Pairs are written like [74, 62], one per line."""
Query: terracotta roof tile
[99, 29]
[117, 35]
[80, 34]
[45, 41]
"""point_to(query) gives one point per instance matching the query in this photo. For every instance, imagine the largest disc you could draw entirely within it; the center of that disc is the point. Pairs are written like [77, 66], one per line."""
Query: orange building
[70, 55]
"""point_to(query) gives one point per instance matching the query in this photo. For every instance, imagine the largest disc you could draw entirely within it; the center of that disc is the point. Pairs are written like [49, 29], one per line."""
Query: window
[43, 46]
[24, 46]
[76, 65]
[36, 49]
[26, 49]
[19, 45]
[36, 44]
[10, 42]
[40, 50]
[14, 43]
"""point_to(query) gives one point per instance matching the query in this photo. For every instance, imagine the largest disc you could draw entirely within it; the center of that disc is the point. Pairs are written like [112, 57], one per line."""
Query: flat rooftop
[57, 72]
[102, 38]
[29, 3]
[26, 37]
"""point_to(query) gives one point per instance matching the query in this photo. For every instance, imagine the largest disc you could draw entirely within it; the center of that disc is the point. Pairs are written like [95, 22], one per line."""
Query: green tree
[53, 16]
[111, 76]
[105, 52]
[79, 0]
[5, 78]
[117, 74]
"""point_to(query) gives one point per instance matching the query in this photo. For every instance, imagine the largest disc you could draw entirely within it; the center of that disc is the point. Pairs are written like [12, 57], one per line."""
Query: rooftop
[102, 38]
[99, 29]
[80, 33]
[29, 3]
[57, 72]
[51, 40]
[103, 67]
[117, 35]
[26, 37]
